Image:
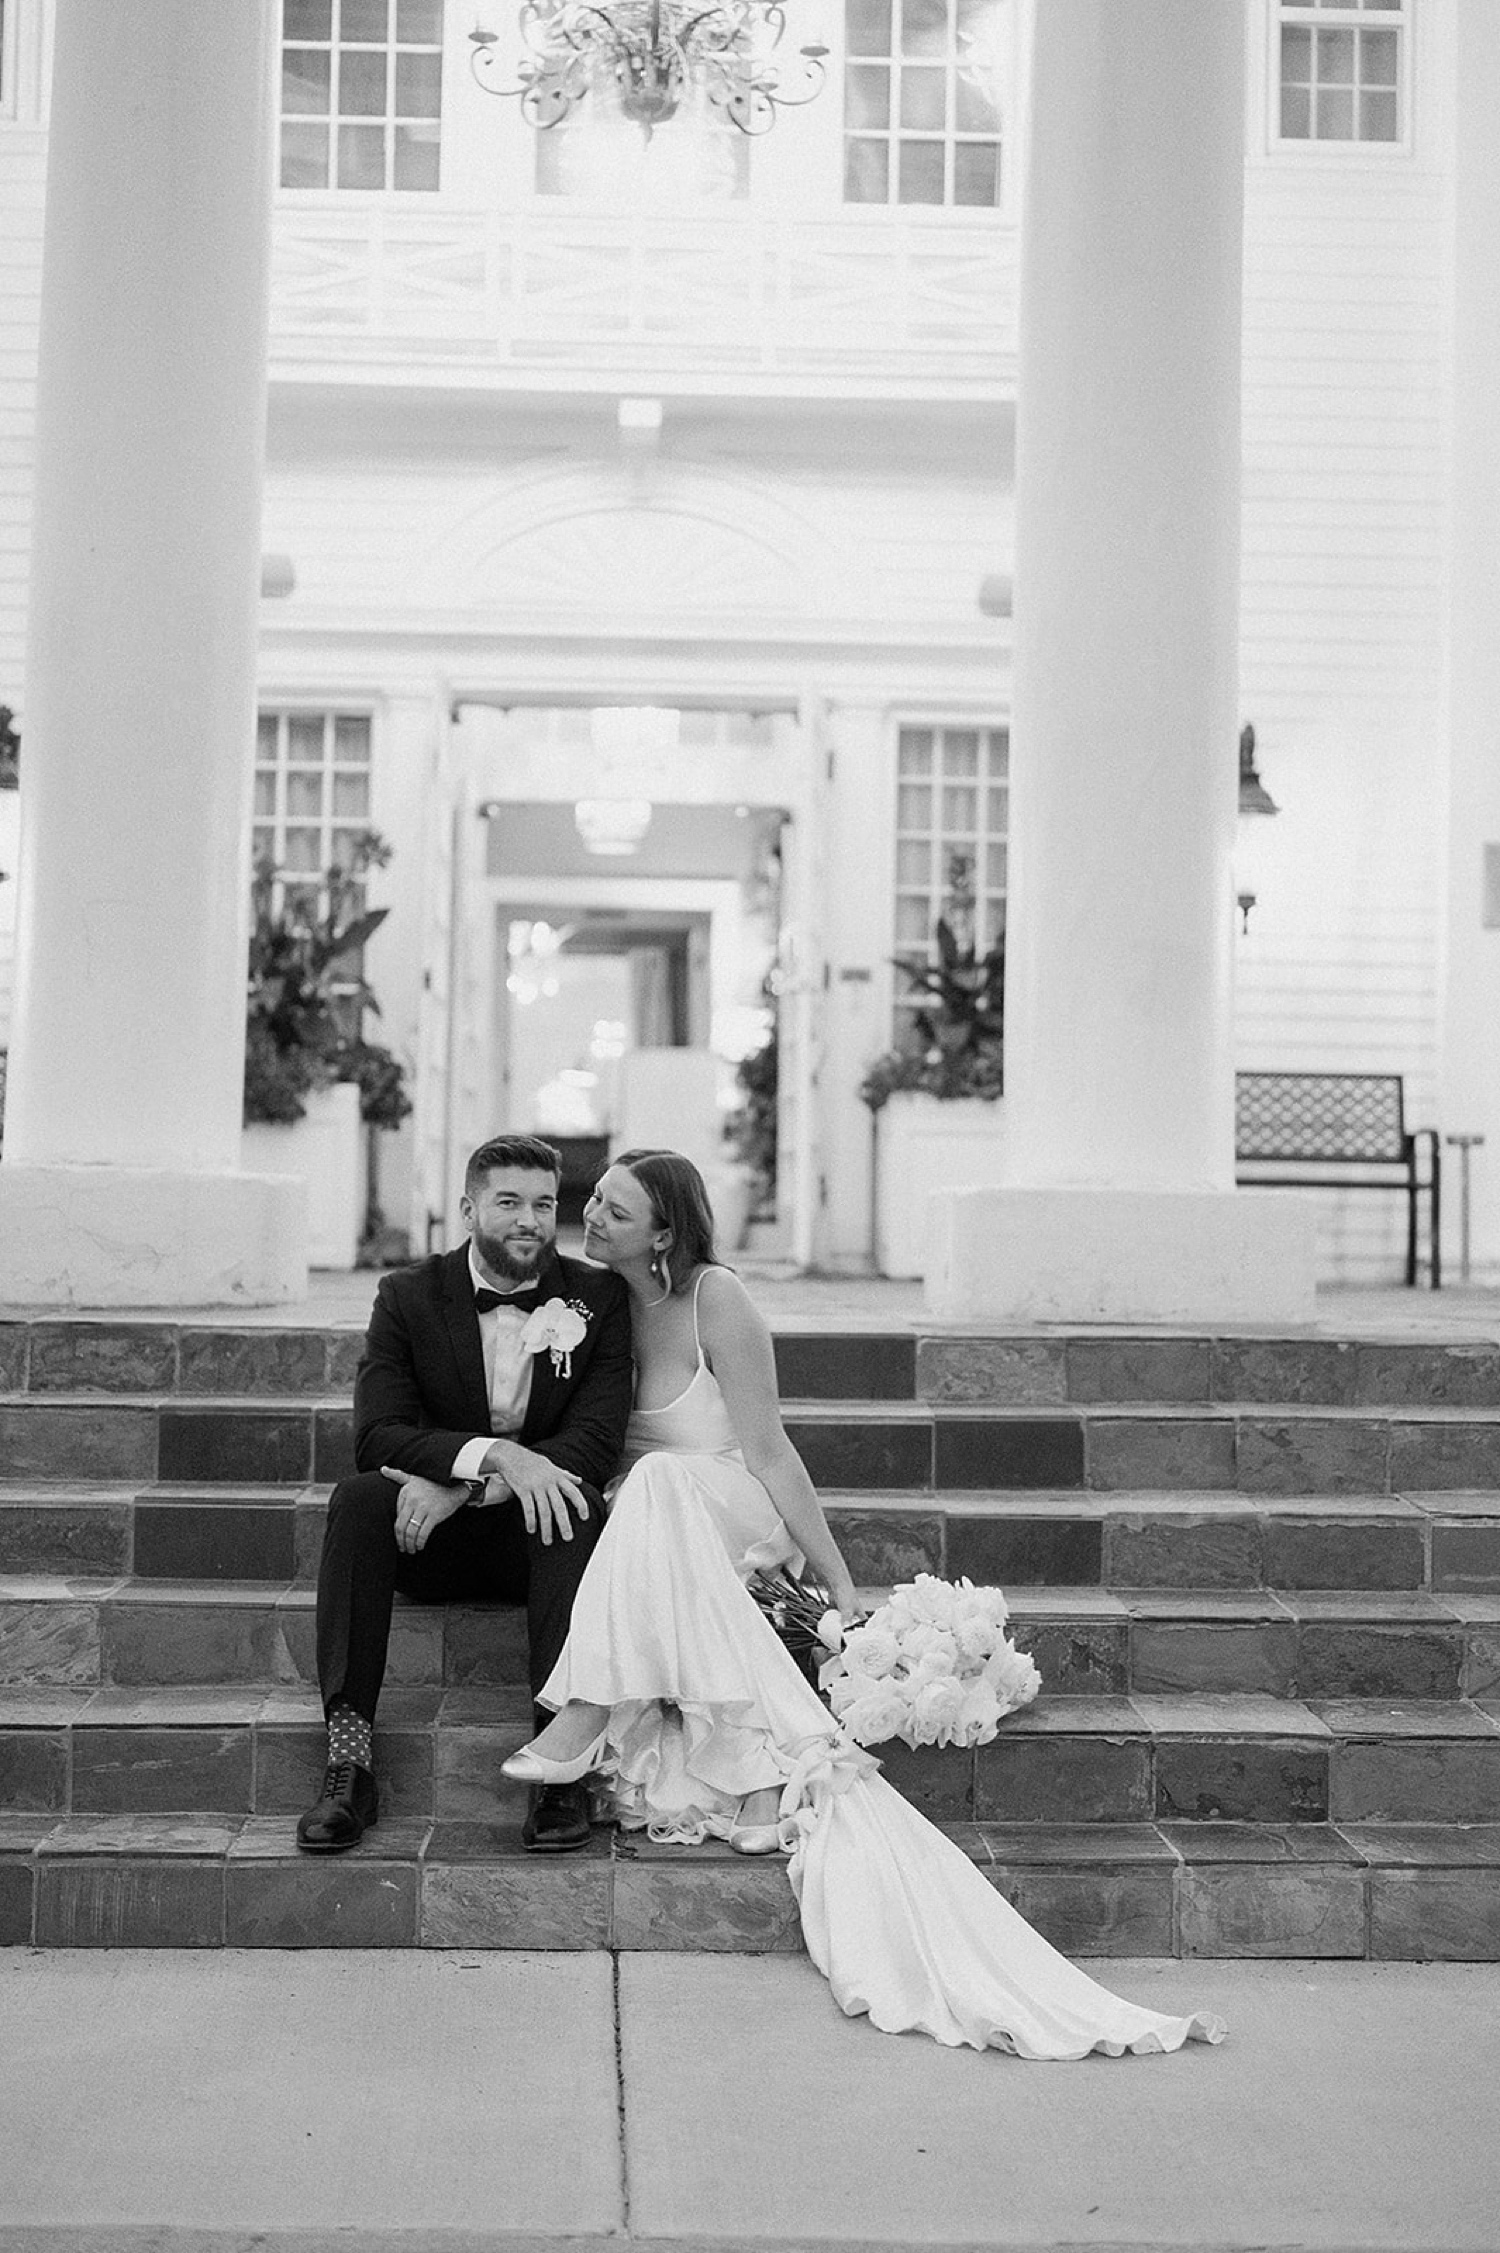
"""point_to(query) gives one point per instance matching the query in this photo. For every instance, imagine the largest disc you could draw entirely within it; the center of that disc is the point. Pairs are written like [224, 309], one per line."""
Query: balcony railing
[926, 299]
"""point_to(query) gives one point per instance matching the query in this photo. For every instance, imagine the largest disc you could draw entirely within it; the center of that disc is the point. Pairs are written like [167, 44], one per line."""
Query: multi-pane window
[1340, 70]
[312, 797]
[361, 93]
[921, 106]
[952, 811]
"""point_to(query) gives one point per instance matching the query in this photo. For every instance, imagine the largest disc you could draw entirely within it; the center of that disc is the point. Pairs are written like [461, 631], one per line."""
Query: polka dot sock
[350, 1737]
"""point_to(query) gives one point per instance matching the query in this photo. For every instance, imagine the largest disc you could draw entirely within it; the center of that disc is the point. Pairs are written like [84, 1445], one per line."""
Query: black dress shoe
[559, 1819]
[347, 1809]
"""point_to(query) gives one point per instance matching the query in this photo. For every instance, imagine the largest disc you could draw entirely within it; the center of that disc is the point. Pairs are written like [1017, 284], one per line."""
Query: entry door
[799, 1019]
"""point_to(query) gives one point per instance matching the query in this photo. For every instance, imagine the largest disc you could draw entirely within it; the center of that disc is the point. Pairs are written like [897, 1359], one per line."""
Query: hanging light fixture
[633, 744]
[649, 53]
[612, 825]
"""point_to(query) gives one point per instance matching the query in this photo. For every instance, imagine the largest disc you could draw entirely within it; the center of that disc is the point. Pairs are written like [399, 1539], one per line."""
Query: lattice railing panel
[1317, 1117]
[777, 293]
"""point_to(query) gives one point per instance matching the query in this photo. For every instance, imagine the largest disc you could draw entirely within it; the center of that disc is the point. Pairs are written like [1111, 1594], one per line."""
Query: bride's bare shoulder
[726, 1310]
[720, 1286]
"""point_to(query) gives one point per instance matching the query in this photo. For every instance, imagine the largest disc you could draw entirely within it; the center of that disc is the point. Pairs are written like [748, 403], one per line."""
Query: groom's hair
[679, 1203]
[522, 1150]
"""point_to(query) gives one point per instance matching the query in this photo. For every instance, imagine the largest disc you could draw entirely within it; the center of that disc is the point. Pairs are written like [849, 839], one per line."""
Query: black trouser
[484, 1554]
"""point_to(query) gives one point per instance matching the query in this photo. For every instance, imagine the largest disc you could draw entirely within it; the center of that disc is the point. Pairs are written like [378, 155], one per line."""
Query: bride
[675, 1688]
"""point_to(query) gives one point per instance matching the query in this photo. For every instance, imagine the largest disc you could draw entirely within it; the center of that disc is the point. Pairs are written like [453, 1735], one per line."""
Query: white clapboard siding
[22, 187]
[1341, 651]
[22, 184]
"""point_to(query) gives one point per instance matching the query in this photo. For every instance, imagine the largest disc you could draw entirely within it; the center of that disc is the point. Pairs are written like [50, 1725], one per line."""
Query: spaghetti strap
[697, 1341]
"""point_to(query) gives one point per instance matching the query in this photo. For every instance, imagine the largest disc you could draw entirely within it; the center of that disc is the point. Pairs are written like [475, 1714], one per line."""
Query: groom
[489, 1409]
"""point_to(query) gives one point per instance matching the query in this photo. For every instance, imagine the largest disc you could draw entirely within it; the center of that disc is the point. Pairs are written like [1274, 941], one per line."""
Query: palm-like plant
[955, 1047]
[308, 995]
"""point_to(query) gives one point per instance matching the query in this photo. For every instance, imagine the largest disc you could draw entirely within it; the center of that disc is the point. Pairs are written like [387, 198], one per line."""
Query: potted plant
[752, 1125]
[312, 1080]
[935, 1096]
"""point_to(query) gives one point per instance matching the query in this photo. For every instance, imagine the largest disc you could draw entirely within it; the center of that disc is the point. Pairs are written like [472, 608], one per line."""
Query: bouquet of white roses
[933, 1666]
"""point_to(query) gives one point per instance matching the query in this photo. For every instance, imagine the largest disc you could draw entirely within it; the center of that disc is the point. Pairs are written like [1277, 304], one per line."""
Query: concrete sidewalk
[181, 2103]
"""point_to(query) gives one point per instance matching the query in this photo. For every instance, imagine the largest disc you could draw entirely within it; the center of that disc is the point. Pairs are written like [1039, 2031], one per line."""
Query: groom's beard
[512, 1262]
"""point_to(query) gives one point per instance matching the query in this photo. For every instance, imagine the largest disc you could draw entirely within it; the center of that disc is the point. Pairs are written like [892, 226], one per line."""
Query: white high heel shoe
[529, 1766]
[755, 1838]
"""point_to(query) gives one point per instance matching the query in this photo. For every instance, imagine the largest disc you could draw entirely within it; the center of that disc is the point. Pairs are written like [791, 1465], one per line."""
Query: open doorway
[629, 945]
[588, 992]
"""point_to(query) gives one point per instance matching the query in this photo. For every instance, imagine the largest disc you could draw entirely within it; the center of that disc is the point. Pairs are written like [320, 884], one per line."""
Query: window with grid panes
[361, 93]
[1341, 66]
[952, 806]
[921, 119]
[312, 798]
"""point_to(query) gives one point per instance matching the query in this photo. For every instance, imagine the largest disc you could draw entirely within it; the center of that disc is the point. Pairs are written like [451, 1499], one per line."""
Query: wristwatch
[475, 1494]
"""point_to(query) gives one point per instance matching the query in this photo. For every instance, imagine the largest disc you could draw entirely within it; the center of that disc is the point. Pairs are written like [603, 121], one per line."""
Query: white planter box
[729, 1195]
[326, 1150]
[923, 1144]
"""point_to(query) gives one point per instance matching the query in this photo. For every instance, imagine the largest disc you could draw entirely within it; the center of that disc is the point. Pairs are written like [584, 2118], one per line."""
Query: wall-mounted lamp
[1255, 798]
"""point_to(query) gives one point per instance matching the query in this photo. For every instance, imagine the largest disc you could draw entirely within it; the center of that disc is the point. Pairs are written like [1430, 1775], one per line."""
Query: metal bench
[1349, 1129]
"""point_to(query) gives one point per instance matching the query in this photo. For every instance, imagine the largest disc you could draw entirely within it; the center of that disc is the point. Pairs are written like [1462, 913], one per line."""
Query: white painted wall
[23, 158]
[445, 540]
[1471, 1079]
[1344, 570]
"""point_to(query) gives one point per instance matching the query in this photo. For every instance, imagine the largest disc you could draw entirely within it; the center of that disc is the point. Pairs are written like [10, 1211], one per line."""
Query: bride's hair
[679, 1203]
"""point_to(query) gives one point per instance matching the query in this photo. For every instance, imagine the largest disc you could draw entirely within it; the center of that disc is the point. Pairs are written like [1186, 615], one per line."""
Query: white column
[120, 1181]
[1119, 1080]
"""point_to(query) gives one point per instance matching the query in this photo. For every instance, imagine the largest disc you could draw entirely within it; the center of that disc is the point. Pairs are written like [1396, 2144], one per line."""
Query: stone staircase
[1261, 1578]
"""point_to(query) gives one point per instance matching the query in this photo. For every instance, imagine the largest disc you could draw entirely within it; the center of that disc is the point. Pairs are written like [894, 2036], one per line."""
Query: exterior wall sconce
[1255, 800]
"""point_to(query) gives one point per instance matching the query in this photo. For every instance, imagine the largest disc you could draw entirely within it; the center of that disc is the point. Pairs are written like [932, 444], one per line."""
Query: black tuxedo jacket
[420, 1391]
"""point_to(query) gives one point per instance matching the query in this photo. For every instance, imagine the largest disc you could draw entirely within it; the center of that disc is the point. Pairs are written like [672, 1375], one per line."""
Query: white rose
[927, 1641]
[872, 1648]
[978, 1715]
[929, 1599]
[876, 1717]
[1014, 1677]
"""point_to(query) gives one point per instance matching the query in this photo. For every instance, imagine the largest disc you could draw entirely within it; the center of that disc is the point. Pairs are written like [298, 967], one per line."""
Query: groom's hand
[421, 1505]
[550, 1498]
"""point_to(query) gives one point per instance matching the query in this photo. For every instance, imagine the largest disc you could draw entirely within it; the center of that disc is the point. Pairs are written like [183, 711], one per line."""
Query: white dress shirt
[507, 1369]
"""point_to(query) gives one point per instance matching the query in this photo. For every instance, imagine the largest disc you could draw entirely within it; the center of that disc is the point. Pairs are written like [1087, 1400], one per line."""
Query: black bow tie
[484, 1299]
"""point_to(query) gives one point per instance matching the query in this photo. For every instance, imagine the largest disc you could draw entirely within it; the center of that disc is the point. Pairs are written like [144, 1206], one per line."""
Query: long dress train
[706, 1705]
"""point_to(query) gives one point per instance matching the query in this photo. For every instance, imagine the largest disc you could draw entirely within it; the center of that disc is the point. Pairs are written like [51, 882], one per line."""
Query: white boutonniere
[556, 1328]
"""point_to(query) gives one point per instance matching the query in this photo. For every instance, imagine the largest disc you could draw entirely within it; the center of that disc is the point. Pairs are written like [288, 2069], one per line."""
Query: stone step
[1448, 1542]
[120, 1632]
[850, 1444]
[86, 1354]
[257, 1749]
[1417, 1892]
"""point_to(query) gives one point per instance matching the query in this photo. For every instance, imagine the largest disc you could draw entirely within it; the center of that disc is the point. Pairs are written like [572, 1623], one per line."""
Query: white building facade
[558, 430]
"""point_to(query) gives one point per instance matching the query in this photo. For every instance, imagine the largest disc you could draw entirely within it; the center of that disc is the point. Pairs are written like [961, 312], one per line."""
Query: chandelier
[649, 52]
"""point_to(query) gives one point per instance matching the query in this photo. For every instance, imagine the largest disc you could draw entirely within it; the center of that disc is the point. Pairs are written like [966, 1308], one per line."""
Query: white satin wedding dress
[707, 1706]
